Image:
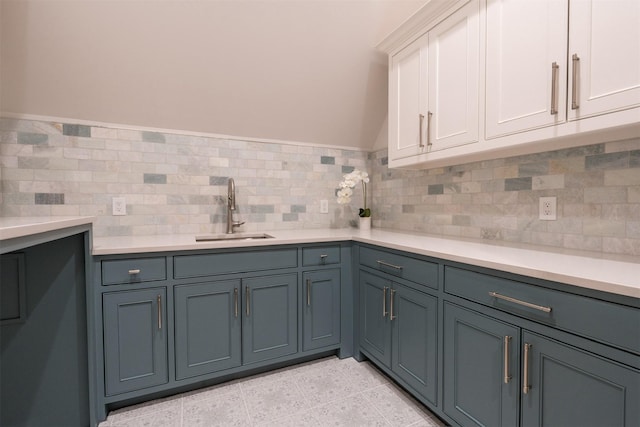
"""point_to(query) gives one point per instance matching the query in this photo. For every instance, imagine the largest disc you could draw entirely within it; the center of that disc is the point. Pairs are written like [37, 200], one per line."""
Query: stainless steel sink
[234, 236]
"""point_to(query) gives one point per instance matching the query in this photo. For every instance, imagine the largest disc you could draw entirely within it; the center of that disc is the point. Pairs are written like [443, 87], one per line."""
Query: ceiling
[298, 70]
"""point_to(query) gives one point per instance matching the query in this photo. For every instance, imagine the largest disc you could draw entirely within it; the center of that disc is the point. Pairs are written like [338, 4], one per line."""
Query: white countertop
[14, 227]
[618, 275]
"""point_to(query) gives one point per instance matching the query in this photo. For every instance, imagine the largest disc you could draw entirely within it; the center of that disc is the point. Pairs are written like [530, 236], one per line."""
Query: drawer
[133, 270]
[186, 266]
[406, 267]
[320, 255]
[611, 323]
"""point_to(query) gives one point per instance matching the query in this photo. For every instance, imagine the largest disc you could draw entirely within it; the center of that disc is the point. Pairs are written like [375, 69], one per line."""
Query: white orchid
[349, 181]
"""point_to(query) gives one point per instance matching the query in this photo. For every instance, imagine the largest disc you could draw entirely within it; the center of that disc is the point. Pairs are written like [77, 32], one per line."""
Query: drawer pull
[235, 301]
[519, 302]
[384, 301]
[507, 342]
[247, 292]
[323, 258]
[134, 272]
[391, 316]
[386, 264]
[525, 376]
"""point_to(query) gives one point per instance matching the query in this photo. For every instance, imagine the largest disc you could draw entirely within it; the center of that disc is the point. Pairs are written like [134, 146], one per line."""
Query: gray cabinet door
[135, 340]
[475, 390]
[270, 317]
[414, 332]
[571, 387]
[375, 327]
[207, 327]
[321, 309]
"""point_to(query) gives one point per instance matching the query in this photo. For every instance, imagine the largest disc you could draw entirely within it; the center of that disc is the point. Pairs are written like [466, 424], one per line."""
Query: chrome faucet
[231, 206]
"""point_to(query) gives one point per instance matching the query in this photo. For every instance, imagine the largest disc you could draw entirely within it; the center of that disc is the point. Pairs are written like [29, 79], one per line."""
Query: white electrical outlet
[119, 206]
[548, 208]
[324, 206]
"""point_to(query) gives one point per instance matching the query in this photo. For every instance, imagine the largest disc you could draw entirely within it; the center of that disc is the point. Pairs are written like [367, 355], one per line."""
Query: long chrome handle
[384, 301]
[429, 114]
[308, 292]
[575, 60]
[525, 376]
[520, 302]
[421, 117]
[391, 316]
[235, 302]
[248, 310]
[159, 312]
[386, 264]
[554, 88]
[507, 342]
[134, 272]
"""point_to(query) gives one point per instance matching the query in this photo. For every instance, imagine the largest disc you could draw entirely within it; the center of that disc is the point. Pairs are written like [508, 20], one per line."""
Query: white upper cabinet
[408, 95]
[472, 80]
[433, 88]
[454, 57]
[526, 68]
[604, 61]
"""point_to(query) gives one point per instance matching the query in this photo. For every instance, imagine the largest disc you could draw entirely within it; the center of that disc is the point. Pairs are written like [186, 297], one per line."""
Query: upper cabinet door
[604, 49]
[408, 100]
[526, 65]
[454, 45]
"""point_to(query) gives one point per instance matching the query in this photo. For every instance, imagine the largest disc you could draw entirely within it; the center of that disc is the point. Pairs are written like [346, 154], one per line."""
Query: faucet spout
[231, 206]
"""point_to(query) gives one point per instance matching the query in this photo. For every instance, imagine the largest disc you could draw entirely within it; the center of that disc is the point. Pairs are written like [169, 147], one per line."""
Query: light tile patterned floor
[325, 392]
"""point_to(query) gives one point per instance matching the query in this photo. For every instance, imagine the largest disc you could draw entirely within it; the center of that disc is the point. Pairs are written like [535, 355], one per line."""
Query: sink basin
[235, 236]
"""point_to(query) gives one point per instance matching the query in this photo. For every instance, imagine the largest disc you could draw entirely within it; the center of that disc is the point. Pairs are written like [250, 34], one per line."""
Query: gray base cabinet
[270, 319]
[567, 386]
[398, 326]
[135, 339]
[497, 373]
[207, 328]
[321, 309]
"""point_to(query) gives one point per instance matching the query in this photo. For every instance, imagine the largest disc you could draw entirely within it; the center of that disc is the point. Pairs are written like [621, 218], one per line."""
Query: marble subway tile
[76, 130]
[607, 161]
[32, 138]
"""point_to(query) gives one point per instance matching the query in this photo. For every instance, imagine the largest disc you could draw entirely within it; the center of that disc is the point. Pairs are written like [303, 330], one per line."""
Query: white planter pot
[364, 223]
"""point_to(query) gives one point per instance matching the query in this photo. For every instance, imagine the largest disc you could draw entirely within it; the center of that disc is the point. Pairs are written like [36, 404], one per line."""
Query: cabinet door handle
[421, 118]
[235, 302]
[246, 290]
[575, 62]
[507, 343]
[386, 264]
[308, 292]
[384, 301]
[429, 114]
[159, 312]
[134, 272]
[525, 375]
[554, 88]
[391, 316]
[520, 302]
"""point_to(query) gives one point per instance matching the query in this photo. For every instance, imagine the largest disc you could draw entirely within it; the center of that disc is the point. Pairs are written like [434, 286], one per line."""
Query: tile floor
[324, 392]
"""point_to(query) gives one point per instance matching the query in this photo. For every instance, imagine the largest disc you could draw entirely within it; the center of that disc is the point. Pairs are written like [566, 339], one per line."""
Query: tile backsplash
[597, 189]
[176, 183]
[172, 183]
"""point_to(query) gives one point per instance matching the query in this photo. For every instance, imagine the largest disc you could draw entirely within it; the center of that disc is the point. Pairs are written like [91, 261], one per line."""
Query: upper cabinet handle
[429, 114]
[554, 88]
[421, 118]
[575, 60]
